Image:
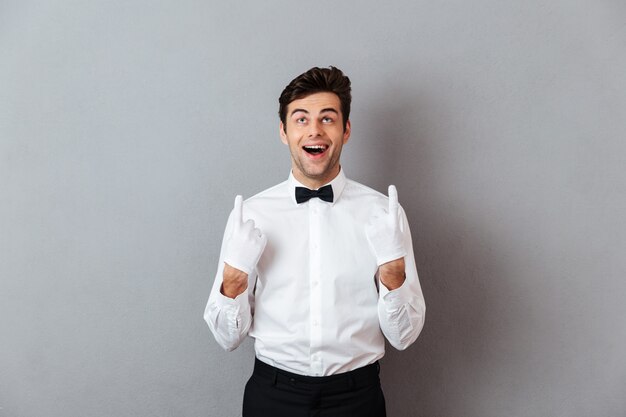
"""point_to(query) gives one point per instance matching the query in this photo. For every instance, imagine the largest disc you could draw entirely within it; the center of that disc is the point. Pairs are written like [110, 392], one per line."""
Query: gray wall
[127, 127]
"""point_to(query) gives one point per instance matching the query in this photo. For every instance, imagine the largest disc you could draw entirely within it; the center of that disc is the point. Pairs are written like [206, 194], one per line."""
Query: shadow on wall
[460, 273]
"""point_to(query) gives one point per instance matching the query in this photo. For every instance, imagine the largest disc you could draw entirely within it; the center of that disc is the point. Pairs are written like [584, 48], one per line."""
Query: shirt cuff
[395, 299]
[240, 302]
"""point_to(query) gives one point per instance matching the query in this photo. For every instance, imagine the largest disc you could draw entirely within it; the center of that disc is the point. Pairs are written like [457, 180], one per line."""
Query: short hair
[317, 80]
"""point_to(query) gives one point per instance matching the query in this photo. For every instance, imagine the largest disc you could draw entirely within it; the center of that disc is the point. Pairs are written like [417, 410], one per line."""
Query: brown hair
[317, 80]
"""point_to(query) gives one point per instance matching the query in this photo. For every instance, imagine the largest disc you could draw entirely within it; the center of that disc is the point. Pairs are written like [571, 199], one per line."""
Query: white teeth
[315, 149]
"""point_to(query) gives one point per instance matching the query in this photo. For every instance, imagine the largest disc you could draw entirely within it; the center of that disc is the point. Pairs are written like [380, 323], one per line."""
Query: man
[318, 270]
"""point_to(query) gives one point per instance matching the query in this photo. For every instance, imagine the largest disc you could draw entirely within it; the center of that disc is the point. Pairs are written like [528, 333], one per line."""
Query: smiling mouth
[315, 149]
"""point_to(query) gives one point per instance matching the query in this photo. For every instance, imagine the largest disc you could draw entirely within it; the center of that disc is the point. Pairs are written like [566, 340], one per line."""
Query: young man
[318, 270]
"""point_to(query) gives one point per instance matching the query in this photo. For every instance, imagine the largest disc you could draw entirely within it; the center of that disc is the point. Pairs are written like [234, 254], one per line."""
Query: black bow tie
[304, 194]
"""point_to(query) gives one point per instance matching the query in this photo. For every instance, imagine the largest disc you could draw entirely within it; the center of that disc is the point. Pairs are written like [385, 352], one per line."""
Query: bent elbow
[228, 338]
[410, 335]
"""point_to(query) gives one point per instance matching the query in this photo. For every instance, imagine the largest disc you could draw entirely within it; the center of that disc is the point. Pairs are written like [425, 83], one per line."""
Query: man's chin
[317, 171]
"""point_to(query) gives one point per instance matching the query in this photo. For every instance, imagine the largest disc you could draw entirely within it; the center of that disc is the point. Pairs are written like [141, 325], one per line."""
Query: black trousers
[272, 392]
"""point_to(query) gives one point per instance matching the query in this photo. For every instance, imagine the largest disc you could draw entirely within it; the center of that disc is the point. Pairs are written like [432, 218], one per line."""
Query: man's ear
[347, 131]
[283, 134]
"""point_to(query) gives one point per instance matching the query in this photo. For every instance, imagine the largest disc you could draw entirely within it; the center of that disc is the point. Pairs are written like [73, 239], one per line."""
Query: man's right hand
[243, 250]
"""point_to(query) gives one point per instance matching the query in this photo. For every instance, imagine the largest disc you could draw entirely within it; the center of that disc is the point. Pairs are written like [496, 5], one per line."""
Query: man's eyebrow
[301, 110]
[326, 110]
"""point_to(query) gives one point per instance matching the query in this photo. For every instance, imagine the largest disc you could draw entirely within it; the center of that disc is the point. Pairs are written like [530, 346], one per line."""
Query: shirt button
[315, 283]
[316, 323]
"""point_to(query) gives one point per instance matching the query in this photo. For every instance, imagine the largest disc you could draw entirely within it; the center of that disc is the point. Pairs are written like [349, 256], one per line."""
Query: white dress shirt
[314, 305]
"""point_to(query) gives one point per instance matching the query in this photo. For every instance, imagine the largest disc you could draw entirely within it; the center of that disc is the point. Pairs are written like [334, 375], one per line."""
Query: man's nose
[315, 128]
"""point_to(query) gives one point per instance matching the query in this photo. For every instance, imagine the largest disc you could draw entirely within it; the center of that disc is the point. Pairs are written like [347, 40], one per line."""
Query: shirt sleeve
[401, 312]
[229, 319]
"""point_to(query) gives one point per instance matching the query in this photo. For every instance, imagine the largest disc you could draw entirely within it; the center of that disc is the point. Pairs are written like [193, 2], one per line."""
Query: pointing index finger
[393, 205]
[238, 212]
[393, 199]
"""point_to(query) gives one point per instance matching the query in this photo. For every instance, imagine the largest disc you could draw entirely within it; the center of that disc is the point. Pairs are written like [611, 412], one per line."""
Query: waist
[360, 377]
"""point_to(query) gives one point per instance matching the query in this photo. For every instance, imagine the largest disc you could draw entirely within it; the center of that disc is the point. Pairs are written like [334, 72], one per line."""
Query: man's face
[315, 135]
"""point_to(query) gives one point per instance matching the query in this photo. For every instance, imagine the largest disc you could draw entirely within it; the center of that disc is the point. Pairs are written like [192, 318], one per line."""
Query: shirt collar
[338, 183]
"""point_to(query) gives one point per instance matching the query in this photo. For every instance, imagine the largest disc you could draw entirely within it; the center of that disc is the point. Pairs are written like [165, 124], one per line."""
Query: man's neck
[314, 183]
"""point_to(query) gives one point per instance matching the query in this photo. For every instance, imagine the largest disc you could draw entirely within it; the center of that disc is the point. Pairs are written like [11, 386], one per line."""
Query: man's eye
[300, 120]
[327, 120]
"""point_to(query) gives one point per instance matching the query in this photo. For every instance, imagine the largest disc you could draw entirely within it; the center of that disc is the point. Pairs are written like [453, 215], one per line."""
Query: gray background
[127, 127]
